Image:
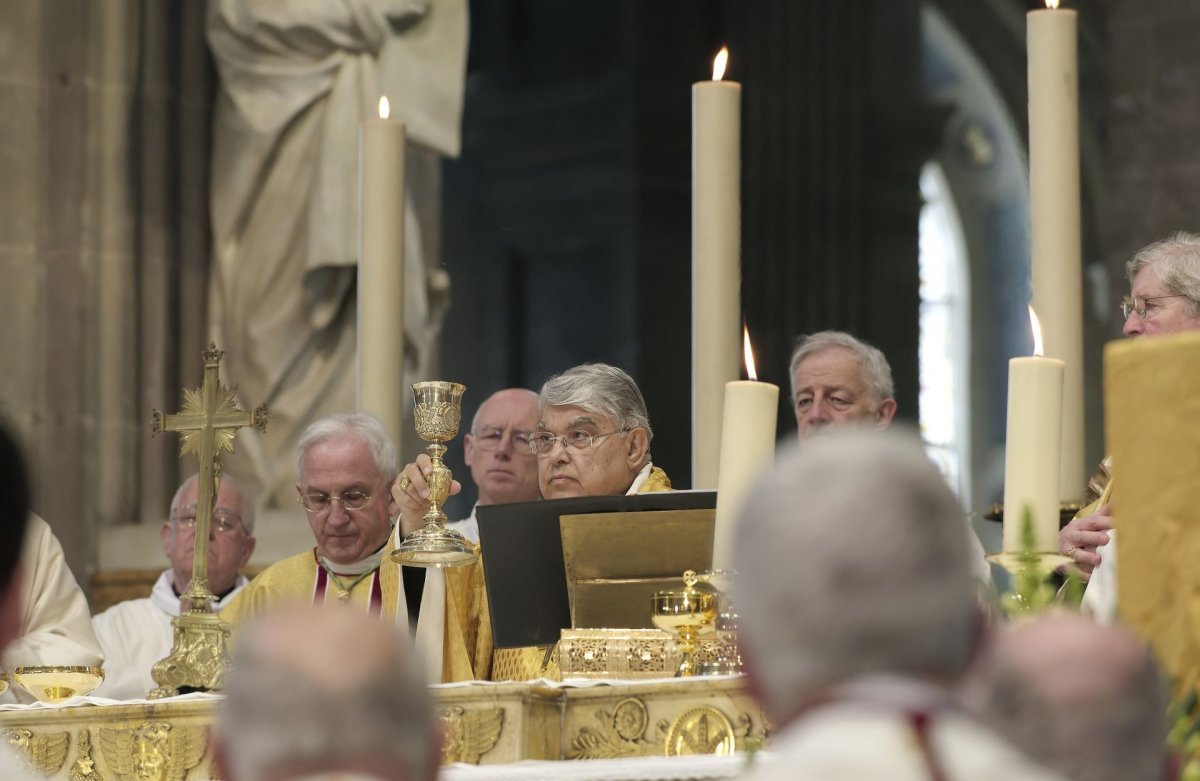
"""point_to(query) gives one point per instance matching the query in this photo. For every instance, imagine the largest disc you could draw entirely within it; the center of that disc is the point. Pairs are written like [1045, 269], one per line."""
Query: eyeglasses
[1138, 304]
[223, 521]
[319, 501]
[543, 441]
[490, 437]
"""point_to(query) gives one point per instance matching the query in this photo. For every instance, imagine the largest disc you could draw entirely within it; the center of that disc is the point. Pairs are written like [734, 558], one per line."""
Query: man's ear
[165, 533]
[468, 449]
[247, 551]
[887, 411]
[638, 446]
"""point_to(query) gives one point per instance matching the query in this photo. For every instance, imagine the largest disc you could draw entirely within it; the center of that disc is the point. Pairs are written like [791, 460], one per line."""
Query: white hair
[284, 709]
[235, 486]
[362, 424]
[1177, 261]
[877, 373]
[600, 388]
[851, 559]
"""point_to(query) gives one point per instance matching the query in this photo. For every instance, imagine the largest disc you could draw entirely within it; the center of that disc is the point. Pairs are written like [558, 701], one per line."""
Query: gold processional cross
[207, 425]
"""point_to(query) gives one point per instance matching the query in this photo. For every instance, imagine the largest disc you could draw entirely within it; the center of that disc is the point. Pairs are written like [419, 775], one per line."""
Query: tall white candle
[1054, 205]
[381, 271]
[1032, 450]
[716, 257]
[747, 449]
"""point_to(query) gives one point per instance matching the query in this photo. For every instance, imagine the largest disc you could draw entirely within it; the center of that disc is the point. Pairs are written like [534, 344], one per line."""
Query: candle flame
[1052, 4]
[749, 354]
[1038, 348]
[719, 63]
[385, 109]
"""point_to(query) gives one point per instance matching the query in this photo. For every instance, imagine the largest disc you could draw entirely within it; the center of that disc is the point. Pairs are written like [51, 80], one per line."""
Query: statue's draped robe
[56, 625]
[136, 633]
[529, 662]
[296, 79]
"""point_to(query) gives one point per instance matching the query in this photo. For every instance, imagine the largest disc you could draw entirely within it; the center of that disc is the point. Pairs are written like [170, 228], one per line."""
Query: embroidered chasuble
[537, 661]
[448, 633]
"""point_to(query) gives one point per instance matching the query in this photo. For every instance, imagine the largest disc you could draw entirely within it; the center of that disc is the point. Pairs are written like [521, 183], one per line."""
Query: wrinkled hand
[414, 501]
[1080, 538]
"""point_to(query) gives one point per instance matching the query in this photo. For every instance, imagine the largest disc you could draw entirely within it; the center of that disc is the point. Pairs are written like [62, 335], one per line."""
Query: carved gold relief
[469, 734]
[703, 730]
[44, 754]
[155, 751]
[621, 733]
[84, 768]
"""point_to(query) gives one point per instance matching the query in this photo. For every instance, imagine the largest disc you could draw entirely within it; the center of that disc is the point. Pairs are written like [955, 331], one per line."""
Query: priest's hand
[411, 492]
[1080, 538]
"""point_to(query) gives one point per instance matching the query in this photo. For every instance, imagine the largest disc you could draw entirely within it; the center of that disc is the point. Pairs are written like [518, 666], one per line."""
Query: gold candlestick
[437, 415]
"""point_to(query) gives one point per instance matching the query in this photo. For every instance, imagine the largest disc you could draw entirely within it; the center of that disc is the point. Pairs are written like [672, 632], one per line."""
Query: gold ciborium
[437, 415]
[686, 614]
[60, 682]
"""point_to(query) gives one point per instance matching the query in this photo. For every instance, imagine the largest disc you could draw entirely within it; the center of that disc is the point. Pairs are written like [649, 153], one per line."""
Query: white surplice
[136, 633]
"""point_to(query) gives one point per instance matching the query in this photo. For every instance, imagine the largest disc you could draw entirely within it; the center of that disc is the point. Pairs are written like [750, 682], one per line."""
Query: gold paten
[44, 754]
[437, 415]
[55, 683]
[615, 562]
[84, 766]
[469, 734]
[208, 424]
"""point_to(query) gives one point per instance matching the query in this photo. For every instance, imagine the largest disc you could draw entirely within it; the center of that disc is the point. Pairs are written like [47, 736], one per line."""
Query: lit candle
[381, 270]
[716, 256]
[1054, 206]
[747, 448]
[1033, 447]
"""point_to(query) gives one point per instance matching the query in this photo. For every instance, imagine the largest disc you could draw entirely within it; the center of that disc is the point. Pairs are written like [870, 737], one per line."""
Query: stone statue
[296, 79]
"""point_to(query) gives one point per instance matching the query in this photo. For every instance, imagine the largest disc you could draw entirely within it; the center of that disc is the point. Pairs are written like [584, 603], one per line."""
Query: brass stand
[437, 414]
[1030, 592]
[210, 419]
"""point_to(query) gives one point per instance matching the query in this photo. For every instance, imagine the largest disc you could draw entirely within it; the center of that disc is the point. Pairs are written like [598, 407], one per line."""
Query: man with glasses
[498, 453]
[1164, 298]
[345, 464]
[593, 439]
[137, 633]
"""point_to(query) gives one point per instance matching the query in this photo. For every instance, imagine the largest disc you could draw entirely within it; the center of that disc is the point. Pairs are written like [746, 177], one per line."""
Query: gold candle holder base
[199, 658]
[686, 614]
[55, 683]
[1030, 571]
[437, 414]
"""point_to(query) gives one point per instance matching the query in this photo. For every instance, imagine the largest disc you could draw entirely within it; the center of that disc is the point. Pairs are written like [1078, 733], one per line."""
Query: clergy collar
[371, 562]
[642, 476]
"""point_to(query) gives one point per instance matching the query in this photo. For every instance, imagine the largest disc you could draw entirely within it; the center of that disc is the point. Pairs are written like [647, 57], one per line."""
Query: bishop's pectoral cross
[208, 423]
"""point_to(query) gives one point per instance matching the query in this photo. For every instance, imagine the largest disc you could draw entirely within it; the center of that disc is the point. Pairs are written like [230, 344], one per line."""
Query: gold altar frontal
[484, 724]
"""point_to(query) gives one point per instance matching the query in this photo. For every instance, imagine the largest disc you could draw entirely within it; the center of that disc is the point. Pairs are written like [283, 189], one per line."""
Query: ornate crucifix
[207, 424]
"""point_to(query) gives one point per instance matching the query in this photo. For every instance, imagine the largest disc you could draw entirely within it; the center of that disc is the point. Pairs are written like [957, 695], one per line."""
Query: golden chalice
[437, 415]
[686, 614]
[59, 682]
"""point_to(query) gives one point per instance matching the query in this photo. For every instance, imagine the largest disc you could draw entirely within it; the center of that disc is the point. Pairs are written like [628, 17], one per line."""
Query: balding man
[295, 709]
[497, 451]
[1083, 699]
[137, 633]
[853, 646]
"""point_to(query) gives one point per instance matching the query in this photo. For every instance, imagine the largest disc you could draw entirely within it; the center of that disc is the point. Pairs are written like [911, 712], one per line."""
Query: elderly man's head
[345, 465]
[1164, 281]
[325, 690]
[1083, 699]
[852, 561]
[230, 535]
[837, 380]
[497, 448]
[594, 434]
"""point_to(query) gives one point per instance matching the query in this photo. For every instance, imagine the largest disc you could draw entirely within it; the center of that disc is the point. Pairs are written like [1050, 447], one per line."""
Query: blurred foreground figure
[1084, 699]
[325, 693]
[856, 672]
